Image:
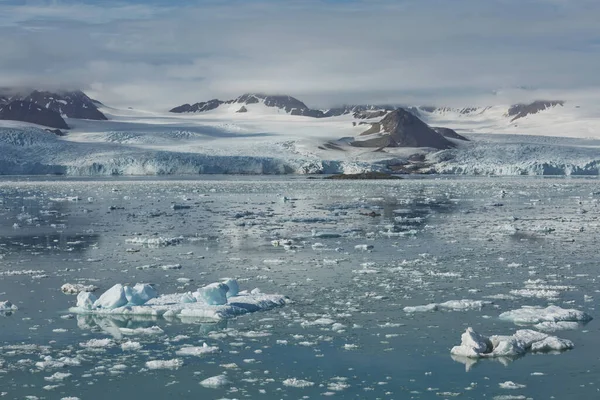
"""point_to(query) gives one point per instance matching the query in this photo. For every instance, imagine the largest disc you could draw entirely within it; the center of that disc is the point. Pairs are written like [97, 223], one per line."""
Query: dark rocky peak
[27, 111]
[357, 110]
[289, 104]
[517, 111]
[242, 109]
[73, 104]
[198, 107]
[449, 133]
[458, 110]
[400, 128]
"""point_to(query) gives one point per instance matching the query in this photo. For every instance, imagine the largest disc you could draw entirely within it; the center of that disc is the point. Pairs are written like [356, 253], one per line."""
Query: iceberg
[210, 302]
[475, 345]
[537, 315]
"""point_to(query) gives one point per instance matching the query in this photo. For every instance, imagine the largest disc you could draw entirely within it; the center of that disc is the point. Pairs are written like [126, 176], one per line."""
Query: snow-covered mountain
[262, 134]
[48, 108]
[71, 104]
[27, 111]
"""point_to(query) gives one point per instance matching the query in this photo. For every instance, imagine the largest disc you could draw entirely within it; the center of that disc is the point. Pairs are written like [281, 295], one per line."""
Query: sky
[159, 54]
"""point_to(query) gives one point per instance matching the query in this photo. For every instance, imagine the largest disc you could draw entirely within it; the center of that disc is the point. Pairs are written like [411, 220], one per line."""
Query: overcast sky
[159, 54]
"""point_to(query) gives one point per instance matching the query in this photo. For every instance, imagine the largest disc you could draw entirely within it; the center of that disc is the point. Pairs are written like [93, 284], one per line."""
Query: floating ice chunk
[474, 345]
[214, 294]
[511, 385]
[197, 350]
[153, 330]
[7, 306]
[234, 287]
[113, 298]
[453, 305]
[170, 266]
[364, 247]
[131, 346]
[175, 363]
[552, 343]
[282, 242]
[98, 343]
[425, 308]
[188, 305]
[215, 382]
[557, 326]
[74, 288]
[155, 242]
[57, 377]
[535, 315]
[86, 300]
[297, 383]
[140, 293]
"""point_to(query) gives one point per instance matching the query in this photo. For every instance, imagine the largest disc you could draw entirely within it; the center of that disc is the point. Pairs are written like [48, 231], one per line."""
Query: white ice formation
[215, 301]
[474, 345]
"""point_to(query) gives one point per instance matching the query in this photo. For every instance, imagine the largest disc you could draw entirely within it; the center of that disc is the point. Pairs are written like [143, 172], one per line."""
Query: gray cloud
[324, 52]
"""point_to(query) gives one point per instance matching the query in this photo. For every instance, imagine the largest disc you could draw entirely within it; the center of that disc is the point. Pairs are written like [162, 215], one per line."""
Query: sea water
[354, 258]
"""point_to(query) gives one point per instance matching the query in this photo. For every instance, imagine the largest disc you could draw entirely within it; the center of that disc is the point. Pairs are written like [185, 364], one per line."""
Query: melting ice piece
[214, 294]
[454, 305]
[536, 315]
[74, 288]
[113, 298]
[234, 287]
[209, 303]
[474, 345]
[140, 293]
[86, 300]
[197, 350]
[7, 306]
[215, 382]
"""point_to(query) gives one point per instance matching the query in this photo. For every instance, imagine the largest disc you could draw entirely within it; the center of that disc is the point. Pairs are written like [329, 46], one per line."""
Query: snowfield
[267, 140]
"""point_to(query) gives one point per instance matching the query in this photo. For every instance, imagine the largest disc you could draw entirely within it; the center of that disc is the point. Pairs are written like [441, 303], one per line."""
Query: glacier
[263, 141]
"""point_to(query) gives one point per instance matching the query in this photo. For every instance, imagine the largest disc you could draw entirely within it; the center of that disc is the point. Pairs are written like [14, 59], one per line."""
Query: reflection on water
[130, 325]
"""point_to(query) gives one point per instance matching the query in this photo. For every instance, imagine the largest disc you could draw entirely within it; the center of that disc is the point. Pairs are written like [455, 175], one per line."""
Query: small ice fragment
[74, 288]
[175, 363]
[215, 382]
[297, 383]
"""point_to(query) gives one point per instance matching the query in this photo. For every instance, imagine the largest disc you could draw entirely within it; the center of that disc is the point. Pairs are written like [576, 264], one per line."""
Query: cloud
[160, 54]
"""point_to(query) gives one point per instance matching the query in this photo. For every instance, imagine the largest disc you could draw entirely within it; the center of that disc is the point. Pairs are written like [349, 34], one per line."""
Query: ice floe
[7, 307]
[75, 288]
[474, 345]
[208, 302]
[197, 350]
[536, 315]
[452, 305]
[175, 363]
[215, 382]
[155, 242]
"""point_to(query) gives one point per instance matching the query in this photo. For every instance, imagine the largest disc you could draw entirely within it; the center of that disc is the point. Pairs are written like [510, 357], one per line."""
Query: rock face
[449, 133]
[289, 104]
[198, 107]
[401, 128]
[522, 110]
[72, 104]
[27, 111]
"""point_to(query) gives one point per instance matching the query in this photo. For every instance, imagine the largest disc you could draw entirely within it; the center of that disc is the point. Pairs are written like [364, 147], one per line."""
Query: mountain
[449, 133]
[197, 107]
[27, 111]
[517, 111]
[400, 128]
[72, 104]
